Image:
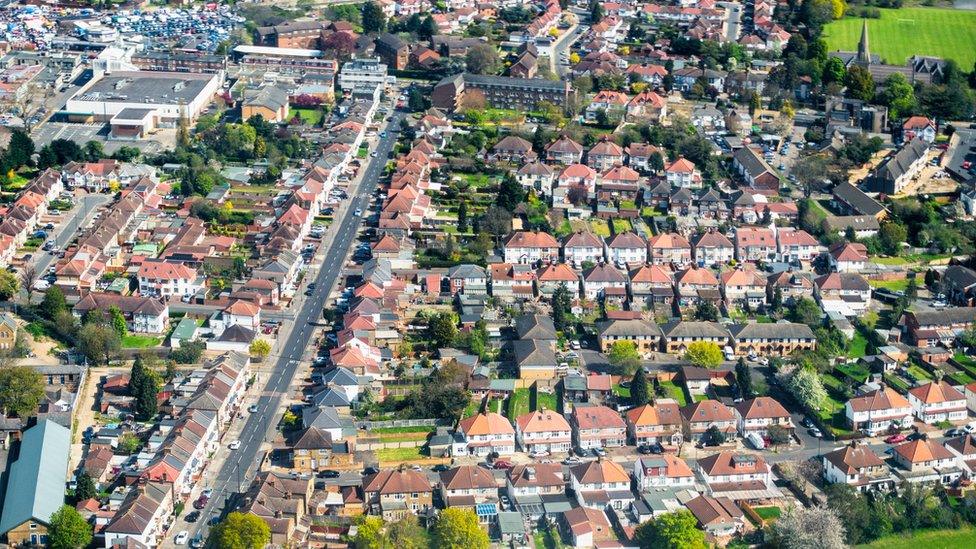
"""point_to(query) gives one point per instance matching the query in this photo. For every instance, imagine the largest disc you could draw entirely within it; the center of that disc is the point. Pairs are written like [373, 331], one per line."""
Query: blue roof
[485, 509]
[35, 487]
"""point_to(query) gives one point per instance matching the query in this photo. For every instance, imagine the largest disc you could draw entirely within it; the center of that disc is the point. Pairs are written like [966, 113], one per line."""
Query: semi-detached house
[482, 434]
[662, 470]
[597, 427]
[655, 423]
[858, 466]
[530, 247]
[936, 402]
[879, 410]
[166, 279]
[600, 483]
[543, 431]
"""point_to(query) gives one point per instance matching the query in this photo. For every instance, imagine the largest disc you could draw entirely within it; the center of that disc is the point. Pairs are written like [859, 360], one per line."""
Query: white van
[729, 353]
[757, 441]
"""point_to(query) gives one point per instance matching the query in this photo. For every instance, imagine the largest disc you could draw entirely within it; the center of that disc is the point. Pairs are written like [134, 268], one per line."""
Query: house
[8, 332]
[269, 102]
[925, 461]
[611, 104]
[537, 176]
[582, 247]
[468, 279]
[682, 173]
[600, 483]
[393, 493]
[550, 277]
[639, 156]
[530, 247]
[651, 285]
[918, 127]
[896, 171]
[576, 176]
[483, 434]
[564, 151]
[393, 51]
[513, 148]
[511, 280]
[695, 285]
[772, 339]
[662, 470]
[879, 411]
[534, 359]
[468, 486]
[645, 335]
[699, 417]
[529, 482]
[605, 281]
[755, 244]
[847, 257]
[737, 475]
[678, 335]
[757, 415]
[587, 527]
[858, 466]
[597, 427]
[796, 245]
[647, 106]
[627, 248]
[964, 447]
[655, 423]
[669, 248]
[929, 328]
[852, 201]
[959, 285]
[757, 174]
[313, 449]
[142, 314]
[35, 484]
[167, 279]
[605, 155]
[936, 402]
[712, 248]
[848, 294]
[791, 286]
[543, 431]
[142, 516]
[717, 516]
[743, 287]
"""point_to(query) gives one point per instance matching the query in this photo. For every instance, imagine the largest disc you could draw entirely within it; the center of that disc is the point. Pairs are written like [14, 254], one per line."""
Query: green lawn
[965, 360]
[417, 429]
[622, 392]
[889, 260]
[312, 117]
[675, 392]
[768, 513]
[518, 403]
[893, 285]
[930, 539]
[132, 341]
[901, 33]
[621, 226]
[399, 454]
[545, 400]
[545, 539]
[858, 346]
[600, 228]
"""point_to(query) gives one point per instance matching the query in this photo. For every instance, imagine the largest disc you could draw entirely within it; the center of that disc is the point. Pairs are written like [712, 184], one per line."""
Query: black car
[192, 516]
[644, 449]
[328, 474]
[370, 471]
[439, 468]
[806, 422]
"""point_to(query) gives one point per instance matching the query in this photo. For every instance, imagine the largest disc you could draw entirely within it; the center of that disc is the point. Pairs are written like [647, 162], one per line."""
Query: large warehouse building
[160, 98]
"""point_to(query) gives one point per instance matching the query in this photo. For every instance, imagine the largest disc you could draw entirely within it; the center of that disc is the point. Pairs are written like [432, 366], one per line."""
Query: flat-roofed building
[170, 95]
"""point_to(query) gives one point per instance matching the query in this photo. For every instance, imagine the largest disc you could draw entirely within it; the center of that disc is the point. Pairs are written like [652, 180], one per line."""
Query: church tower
[863, 52]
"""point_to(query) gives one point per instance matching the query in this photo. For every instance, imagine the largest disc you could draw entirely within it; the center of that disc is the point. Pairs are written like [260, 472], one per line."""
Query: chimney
[530, 473]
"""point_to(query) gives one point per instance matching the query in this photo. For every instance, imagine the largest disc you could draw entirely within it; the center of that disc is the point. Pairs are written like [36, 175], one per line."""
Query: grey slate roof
[857, 200]
[895, 166]
[962, 277]
[530, 352]
[778, 330]
[535, 327]
[35, 486]
[628, 328]
[700, 330]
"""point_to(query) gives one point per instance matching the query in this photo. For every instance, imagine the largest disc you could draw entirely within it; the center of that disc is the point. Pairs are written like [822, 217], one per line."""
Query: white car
[234, 445]
[42, 285]
[182, 537]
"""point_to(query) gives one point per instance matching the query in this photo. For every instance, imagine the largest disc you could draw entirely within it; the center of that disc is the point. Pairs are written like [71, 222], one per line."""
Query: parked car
[234, 445]
[955, 432]
[503, 464]
[182, 538]
[814, 432]
[328, 474]
[370, 471]
[506, 503]
[200, 502]
[895, 439]
[440, 468]
[572, 460]
[192, 516]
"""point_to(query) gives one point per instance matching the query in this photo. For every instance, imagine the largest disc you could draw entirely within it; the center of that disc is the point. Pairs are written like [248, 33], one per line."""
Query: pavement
[236, 474]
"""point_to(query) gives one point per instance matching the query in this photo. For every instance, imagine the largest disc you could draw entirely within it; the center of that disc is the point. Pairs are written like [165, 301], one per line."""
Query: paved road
[733, 24]
[562, 46]
[238, 469]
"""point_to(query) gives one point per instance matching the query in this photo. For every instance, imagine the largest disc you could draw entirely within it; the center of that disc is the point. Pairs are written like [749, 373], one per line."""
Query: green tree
[241, 531]
[53, 303]
[714, 436]
[743, 378]
[129, 444]
[98, 343]
[891, 236]
[677, 530]
[442, 329]
[562, 305]
[260, 348]
[21, 390]
[805, 385]
[428, 28]
[462, 216]
[859, 83]
[369, 533]
[373, 18]
[806, 311]
[118, 321]
[459, 529]
[640, 390]
[407, 533]
[801, 527]
[778, 434]
[482, 59]
[188, 353]
[899, 96]
[85, 487]
[8, 285]
[834, 71]
[68, 529]
[624, 357]
[706, 311]
[706, 354]
[144, 384]
[20, 150]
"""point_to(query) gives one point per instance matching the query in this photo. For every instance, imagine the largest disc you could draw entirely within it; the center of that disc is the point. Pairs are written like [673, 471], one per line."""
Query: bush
[188, 353]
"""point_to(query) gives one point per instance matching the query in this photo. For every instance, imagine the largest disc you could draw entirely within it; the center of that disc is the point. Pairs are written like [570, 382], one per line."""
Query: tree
[442, 329]
[805, 311]
[462, 216]
[428, 28]
[188, 353]
[20, 150]
[624, 357]
[596, 12]
[8, 285]
[743, 378]
[260, 348]
[805, 385]
[459, 529]
[706, 354]
[416, 101]
[241, 531]
[778, 434]
[482, 59]
[129, 444]
[84, 487]
[899, 96]
[777, 303]
[837, 8]
[342, 43]
[369, 534]
[803, 528]
[407, 533]
[21, 390]
[677, 530]
[562, 304]
[28, 276]
[706, 311]
[713, 436]
[144, 385]
[68, 529]
[891, 235]
[496, 220]
[511, 193]
[98, 343]
[118, 321]
[859, 83]
[833, 71]
[640, 390]
[373, 18]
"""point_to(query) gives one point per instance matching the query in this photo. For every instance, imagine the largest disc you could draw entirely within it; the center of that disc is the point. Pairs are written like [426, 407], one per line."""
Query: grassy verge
[930, 539]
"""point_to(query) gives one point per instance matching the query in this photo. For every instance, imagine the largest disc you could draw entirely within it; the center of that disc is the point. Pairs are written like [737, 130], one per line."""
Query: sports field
[901, 33]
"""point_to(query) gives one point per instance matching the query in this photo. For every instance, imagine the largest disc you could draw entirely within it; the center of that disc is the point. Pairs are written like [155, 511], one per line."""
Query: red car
[895, 439]
[502, 464]
[201, 502]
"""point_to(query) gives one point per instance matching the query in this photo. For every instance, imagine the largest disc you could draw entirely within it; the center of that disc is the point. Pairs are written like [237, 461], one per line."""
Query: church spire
[863, 52]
